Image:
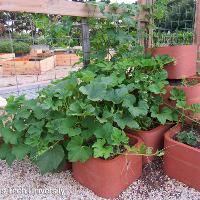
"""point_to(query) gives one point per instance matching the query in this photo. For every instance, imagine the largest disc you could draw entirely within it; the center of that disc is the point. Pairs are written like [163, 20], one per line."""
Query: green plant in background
[171, 39]
[116, 32]
[57, 31]
[11, 46]
[187, 137]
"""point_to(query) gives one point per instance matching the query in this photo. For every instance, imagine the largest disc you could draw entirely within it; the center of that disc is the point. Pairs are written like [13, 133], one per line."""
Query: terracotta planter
[108, 178]
[192, 92]
[192, 96]
[153, 138]
[186, 59]
[181, 162]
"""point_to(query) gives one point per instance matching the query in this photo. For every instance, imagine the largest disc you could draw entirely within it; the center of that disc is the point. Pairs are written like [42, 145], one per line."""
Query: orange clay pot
[192, 92]
[153, 138]
[181, 162]
[186, 59]
[108, 178]
[192, 96]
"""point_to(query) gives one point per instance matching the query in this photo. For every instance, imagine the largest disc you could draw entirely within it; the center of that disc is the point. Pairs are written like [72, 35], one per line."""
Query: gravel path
[23, 182]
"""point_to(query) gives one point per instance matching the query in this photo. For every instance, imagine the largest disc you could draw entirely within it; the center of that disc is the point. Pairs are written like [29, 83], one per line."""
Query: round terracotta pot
[192, 92]
[181, 161]
[186, 59]
[153, 138]
[108, 178]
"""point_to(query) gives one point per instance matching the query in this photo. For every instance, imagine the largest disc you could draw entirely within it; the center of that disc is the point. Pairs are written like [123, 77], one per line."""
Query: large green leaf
[6, 154]
[51, 159]
[9, 136]
[126, 121]
[163, 115]
[36, 128]
[104, 131]
[129, 101]
[95, 91]
[119, 137]
[19, 124]
[101, 150]
[140, 110]
[80, 108]
[77, 151]
[116, 95]
[20, 151]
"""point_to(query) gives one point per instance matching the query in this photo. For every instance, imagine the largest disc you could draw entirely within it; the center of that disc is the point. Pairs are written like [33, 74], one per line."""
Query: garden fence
[52, 41]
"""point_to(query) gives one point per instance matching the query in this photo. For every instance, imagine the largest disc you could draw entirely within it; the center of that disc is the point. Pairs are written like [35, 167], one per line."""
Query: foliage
[117, 32]
[189, 82]
[179, 15]
[179, 97]
[57, 31]
[91, 107]
[10, 46]
[171, 39]
[187, 137]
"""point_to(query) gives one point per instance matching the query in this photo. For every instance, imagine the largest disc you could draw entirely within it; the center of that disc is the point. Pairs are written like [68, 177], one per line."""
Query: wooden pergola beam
[54, 7]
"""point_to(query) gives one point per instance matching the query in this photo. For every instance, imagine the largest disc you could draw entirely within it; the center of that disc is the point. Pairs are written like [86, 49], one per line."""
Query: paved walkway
[30, 85]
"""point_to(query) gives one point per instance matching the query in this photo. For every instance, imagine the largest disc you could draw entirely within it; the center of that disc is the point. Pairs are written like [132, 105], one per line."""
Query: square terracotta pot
[153, 138]
[108, 178]
[181, 161]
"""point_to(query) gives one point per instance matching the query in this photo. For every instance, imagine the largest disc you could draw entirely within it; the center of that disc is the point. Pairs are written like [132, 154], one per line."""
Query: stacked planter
[184, 67]
[181, 162]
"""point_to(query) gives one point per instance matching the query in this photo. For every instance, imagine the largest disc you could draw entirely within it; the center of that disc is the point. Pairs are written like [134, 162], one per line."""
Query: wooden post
[197, 23]
[85, 42]
[146, 42]
[197, 30]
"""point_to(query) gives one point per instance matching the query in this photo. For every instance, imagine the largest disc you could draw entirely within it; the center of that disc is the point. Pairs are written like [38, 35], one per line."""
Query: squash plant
[91, 107]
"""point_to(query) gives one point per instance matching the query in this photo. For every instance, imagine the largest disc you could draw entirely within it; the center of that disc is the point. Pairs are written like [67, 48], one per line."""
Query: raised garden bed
[66, 59]
[6, 56]
[29, 65]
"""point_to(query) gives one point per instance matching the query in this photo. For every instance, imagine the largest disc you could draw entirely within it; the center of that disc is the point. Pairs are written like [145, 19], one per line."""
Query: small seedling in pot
[186, 82]
[187, 138]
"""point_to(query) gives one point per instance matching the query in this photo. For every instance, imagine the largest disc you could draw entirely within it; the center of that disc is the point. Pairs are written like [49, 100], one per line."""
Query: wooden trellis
[67, 8]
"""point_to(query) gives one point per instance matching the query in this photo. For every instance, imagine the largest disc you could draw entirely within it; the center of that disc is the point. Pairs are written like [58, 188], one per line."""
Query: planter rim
[186, 87]
[152, 130]
[186, 45]
[171, 132]
[126, 153]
